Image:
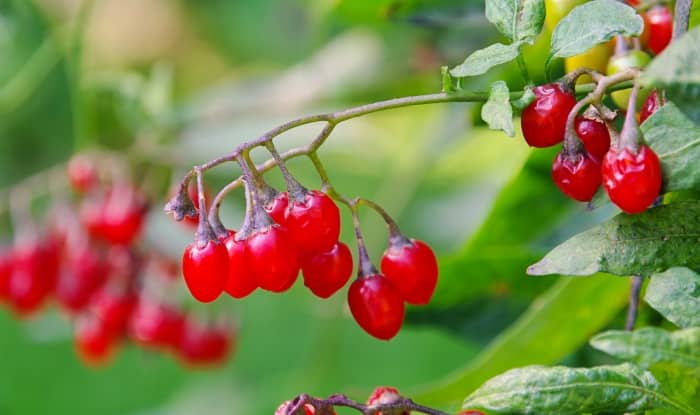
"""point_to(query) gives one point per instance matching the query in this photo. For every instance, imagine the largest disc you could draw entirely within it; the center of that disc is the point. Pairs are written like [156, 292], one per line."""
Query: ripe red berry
[273, 258]
[412, 267]
[377, 306]
[82, 173]
[156, 325]
[204, 346]
[314, 223]
[277, 207]
[117, 217]
[595, 136]
[543, 122]
[240, 281]
[660, 28]
[94, 343]
[578, 177]
[471, 412]
[5, 273]
[384, 395]
[34, 274]
[205, 268]
[632, 181]
[83, 273]
[113, 309]
[327, 272]
[651, 104]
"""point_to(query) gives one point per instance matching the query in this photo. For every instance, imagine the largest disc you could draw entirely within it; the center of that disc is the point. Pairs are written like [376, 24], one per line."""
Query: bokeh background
[178, 82]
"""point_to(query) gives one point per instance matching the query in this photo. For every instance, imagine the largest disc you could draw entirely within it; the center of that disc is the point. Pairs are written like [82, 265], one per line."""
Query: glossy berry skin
[543, 122]
[578, 177]
[273, 258]
[82, 173]
[412, 267]
[240, 281]
[660, 27]
[632, 181]
[595, 136]
[327, 272]
[34, 275]
[155, 325]
[277, 207]
[384, 395]
[204, 346]
[5, 273]
[314, 223]
[377, 306]
[118, 217]
[651, 104]
[205, 268]
[94, 343]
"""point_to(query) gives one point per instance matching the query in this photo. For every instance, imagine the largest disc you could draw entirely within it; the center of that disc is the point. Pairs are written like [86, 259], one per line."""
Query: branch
[681, 17]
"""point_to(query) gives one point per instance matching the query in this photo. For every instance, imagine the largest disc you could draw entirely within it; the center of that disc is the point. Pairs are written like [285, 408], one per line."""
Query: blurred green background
[176, 83]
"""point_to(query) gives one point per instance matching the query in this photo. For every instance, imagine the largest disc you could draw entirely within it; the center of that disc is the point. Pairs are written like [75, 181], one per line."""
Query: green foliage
[519, 20]
[677, 71]
[482, 60]
[562, 390]
[592, 23]
[676, 294]
[675, 139]
[650, 346]
[642, 244]
[497, 111]
[557, 322]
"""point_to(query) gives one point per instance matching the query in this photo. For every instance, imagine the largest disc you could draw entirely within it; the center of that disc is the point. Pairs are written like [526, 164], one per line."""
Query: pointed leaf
[592, 23]
[650, 346]
[520, 20]
[676, 294]
[641, 244]
[676, 140]
[484, 59]
[496, 112]
[562, 390]
[677, 70]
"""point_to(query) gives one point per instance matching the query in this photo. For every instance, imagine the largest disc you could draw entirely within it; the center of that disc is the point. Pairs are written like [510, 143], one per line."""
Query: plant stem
[635, 289]
[681, 17]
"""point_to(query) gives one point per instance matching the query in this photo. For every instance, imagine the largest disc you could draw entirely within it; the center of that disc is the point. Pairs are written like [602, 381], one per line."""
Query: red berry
[651, 104]
[377, 306]
[471, 412]
[205, 268]
[114, 310]
[287, 406]
[5, 273]
[82, 173]
[412, 267]
[240, 281]
[84, 272]
[94, 343]
[543, 122]
[273, 258]
[660, 28]
[595, 136]
[314, 223]
[632, 181]
[156, 325]
[327, 272]
[277, 207]
[579, 178]
[117, 217]
[384, 395]
[34, 274]
[204, 346]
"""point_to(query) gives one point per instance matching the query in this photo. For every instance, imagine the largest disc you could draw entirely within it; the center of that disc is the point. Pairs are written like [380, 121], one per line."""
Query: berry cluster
[91, 263]
[298, 230]
[594, 153]
[384, 400]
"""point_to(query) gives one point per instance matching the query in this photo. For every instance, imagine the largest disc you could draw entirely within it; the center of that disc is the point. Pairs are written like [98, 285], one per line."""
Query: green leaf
[642, 244]
[592, 23]
[563, 390]
[676, 294]
[694, 19]
[650, 346]
[496, 112]
[484, 59]
[520, 20]
[677, 70]
[676, 140]
[557, 322]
